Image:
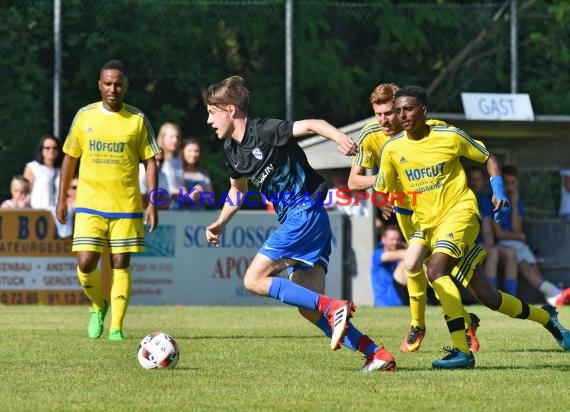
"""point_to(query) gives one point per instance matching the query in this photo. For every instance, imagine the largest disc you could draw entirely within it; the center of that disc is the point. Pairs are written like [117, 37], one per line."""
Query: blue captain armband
[402, 211]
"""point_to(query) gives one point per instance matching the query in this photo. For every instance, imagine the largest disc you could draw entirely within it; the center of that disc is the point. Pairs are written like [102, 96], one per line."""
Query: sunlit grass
[267, 358]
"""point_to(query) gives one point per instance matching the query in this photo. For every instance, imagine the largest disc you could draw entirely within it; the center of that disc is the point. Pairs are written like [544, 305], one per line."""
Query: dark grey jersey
[271, 159]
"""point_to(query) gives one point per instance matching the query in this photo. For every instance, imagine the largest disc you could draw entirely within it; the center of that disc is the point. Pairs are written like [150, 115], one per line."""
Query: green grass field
[269, 359]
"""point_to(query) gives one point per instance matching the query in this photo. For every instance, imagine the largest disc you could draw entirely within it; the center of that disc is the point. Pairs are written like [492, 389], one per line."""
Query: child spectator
[20, 190]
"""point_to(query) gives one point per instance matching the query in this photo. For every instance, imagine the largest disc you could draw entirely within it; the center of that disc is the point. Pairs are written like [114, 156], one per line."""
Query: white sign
[496, 106]
[180, 267]
[38, 273]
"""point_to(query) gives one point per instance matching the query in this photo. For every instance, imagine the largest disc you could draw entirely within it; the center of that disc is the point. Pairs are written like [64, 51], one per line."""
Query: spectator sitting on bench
[495, 253]
[510, 233]
[387, 270]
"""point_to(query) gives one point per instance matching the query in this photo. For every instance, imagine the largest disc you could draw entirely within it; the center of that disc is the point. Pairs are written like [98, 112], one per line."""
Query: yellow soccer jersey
[431, 166]
[110, 146]
[372, 139]
[370, 142]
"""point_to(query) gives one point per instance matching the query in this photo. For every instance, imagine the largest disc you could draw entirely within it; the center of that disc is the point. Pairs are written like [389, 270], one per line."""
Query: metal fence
[175, 49]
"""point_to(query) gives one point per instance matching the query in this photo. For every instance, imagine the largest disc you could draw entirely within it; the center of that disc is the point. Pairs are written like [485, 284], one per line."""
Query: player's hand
[387, 211]
[151, 217]
[347, 146]
[213, 233]
[501, 209]
[61, 212]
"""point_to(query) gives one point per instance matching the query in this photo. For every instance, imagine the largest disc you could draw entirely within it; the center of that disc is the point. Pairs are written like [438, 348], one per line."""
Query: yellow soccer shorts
[455, 237]
[406, 225]
[93, 232]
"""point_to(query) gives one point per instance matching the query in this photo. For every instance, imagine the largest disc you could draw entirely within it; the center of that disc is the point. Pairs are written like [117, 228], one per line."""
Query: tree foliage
[176, 48]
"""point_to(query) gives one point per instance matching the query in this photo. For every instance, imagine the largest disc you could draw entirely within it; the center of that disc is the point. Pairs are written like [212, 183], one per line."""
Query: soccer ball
[158, 351]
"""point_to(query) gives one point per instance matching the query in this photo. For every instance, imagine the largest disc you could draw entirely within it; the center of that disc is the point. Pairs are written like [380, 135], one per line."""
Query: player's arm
[501, 204]
[345, 144]
[386, 182]
[65, 175]
[392, 255]
[233, 203]
[151, 174]
[476, 150]
[358, 180]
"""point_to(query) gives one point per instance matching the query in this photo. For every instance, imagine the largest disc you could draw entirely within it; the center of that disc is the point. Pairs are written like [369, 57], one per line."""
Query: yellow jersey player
[426, 159]
[111, 138]
[372, 138]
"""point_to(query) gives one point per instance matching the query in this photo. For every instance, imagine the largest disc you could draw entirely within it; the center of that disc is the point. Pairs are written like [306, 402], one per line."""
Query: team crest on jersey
[257, 153]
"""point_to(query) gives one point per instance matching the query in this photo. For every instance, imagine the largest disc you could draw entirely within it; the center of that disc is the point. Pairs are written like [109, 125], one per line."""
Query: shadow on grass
[536, 350]
[564, 368]
[419, 368]
[422, 368]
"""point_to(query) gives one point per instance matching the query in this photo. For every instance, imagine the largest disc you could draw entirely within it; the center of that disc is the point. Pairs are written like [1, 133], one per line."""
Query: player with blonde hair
[372, 138]
[426, 159]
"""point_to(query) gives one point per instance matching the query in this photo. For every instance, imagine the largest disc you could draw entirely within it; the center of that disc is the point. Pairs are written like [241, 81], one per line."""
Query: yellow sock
[417, 286]
[92, 285]
[466, 315]
[450, 299]
[120, 295]
[466, 318]
[516, 308]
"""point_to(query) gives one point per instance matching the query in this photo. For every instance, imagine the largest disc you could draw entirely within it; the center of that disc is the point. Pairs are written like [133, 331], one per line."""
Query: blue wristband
[498, 188]
[499, 193]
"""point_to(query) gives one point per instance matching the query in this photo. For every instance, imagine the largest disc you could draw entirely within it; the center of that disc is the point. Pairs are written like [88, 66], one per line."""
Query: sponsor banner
[31, 233]
[36, 265]
[44, 297]
[33, 273]
[180, 267]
